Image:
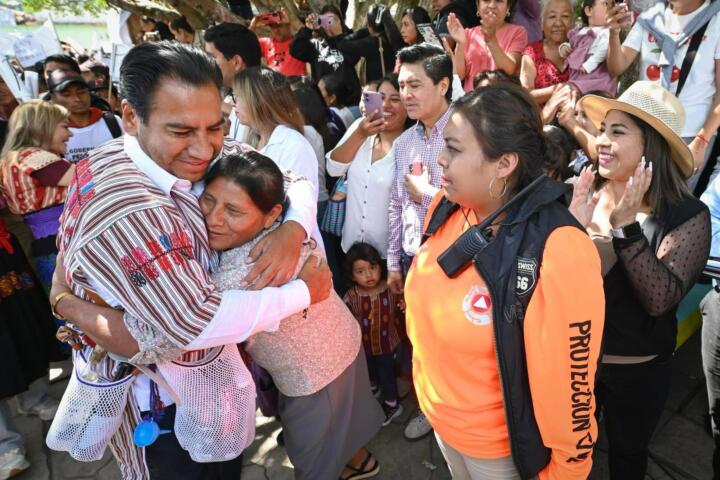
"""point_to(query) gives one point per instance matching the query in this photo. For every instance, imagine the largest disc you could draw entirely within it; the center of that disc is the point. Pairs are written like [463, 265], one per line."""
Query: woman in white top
[367, 156]
[264, 100]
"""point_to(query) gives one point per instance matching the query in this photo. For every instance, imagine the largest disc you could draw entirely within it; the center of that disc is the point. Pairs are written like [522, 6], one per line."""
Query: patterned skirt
[27, 330]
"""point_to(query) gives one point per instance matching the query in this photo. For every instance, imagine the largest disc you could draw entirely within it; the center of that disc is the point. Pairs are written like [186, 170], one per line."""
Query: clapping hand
[583, 203]
[628, 207]
[455, 29]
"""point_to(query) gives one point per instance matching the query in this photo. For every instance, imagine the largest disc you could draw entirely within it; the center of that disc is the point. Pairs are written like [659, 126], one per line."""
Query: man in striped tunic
[133, 235]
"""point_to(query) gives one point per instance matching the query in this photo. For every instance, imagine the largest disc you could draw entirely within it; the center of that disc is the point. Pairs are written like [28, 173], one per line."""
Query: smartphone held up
[372, 104]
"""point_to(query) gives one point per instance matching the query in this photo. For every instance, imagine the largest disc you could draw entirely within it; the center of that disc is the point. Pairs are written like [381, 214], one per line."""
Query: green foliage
[68, 6]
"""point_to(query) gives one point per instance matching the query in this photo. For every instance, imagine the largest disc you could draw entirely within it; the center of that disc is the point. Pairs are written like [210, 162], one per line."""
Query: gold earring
[504, 189]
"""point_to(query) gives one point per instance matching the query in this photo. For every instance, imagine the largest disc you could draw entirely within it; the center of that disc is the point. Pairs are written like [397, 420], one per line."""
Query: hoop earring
[504, 189]
[507, 14]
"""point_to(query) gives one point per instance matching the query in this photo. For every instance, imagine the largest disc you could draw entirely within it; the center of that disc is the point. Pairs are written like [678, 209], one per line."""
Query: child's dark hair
[583, 15]
[560, 146]
[257, 174]
[366, 252]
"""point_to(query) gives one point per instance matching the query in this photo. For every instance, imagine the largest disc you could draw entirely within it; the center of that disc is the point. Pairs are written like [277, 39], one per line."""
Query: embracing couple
[169, 274]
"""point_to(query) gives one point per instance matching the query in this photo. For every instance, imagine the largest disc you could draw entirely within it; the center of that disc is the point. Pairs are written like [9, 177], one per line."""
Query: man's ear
[238, 64]
[130, 119]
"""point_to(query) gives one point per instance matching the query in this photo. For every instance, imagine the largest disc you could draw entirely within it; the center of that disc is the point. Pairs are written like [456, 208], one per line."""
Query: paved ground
[681, 448]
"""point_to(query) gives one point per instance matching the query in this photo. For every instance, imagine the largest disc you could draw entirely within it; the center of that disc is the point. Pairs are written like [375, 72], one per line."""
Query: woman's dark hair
[419, 16]
[669, 185]
[366, 252]
[146, 65]
[181, 23]
[257, 174]
[392, 79]
[335, 84]
[505, 119]
[494, 76]
[313, 108]
[436, 63]
[560, 147]
[329, 8]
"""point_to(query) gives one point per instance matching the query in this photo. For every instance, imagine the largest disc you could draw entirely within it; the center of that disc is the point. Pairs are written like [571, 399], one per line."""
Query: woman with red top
[543, 70]
[495, 44]
[35, 176]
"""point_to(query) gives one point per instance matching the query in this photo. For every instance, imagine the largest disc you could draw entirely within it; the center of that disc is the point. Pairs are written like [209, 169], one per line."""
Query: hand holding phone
[372, 103]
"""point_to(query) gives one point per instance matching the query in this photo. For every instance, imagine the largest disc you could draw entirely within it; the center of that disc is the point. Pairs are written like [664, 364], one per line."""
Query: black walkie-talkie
[458, 256]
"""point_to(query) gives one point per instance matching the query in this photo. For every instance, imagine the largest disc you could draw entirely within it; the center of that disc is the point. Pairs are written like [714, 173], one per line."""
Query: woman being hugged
[35, 176]
[505, 374]
[495, 44]
[654, 239]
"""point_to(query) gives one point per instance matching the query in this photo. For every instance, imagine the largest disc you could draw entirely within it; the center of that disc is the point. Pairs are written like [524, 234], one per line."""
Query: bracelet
[54, 303]
[702, 137]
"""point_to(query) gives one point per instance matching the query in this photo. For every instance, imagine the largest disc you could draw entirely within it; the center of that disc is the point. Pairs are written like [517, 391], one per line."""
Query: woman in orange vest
[506, 337]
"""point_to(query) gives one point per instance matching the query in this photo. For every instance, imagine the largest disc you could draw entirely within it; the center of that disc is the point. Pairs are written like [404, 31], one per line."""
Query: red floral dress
[548, 73]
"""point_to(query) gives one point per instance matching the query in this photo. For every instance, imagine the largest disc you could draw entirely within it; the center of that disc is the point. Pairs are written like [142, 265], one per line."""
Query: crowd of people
[294, 216]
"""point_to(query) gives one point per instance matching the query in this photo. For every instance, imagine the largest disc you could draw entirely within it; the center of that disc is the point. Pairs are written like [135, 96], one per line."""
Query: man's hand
[316, 275]
[395, 282]
[276, 256]
[417, 184]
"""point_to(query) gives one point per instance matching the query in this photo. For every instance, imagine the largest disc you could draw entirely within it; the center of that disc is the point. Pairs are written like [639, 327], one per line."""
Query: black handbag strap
[690, 57]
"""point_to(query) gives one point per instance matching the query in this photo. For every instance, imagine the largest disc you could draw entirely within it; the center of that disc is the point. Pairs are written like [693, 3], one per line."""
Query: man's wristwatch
[630, 230]
[54, 303]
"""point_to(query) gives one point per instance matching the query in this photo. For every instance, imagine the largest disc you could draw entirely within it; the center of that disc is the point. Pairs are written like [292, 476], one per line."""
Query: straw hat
[654, 105]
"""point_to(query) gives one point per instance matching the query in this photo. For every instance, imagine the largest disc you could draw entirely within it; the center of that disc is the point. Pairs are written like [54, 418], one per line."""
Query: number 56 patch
[526, 275]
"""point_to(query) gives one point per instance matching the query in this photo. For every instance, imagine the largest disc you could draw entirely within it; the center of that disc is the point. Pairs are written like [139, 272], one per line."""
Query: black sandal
[363, 471]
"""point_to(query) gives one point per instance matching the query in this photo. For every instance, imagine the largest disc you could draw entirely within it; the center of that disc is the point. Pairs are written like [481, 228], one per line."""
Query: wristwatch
[54, 303]
[630, 230]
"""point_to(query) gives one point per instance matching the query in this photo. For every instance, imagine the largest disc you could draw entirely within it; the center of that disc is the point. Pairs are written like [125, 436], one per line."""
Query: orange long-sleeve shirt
[455, 367]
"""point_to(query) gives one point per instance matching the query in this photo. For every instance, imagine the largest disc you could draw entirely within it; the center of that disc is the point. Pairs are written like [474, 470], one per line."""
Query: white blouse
[368, 194]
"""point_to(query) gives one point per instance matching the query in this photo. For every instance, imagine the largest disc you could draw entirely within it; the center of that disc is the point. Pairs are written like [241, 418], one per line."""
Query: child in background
[587, 48]
[379, 313]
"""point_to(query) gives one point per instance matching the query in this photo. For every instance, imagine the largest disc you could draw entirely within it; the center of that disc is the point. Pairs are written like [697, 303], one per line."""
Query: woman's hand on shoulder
[583, 203]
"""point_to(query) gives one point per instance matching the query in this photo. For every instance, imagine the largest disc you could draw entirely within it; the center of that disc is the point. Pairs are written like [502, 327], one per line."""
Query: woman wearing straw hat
[654, 238]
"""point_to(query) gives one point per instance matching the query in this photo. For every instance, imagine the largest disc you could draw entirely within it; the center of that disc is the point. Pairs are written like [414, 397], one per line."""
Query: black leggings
[632, 398]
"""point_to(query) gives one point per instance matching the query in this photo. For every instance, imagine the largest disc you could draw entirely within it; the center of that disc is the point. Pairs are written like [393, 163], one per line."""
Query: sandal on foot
[365, 470]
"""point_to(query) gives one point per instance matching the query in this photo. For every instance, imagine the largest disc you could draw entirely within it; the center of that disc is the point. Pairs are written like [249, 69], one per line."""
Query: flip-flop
[363, 471]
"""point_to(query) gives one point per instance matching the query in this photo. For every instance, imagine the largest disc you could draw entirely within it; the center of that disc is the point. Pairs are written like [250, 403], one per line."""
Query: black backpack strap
[690, 57]
[442, 212]
[112, 124]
